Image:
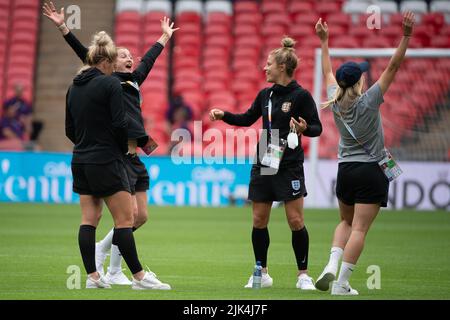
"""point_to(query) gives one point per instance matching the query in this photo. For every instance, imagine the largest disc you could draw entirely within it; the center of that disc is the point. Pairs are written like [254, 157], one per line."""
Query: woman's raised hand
[49, 10]
[167, 27]
[322, 30]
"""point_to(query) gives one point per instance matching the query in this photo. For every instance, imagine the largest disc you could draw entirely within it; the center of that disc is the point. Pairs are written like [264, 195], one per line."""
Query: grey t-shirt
[364, 119]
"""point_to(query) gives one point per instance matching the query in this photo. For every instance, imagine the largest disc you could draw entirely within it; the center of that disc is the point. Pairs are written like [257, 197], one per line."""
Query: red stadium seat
[434, 18]
[190, 29]
[215, 53]
[307, 19]
[299, 31]
[222, 99]
[445, 30]
[25, 14]
[214, 86]
[376, 42]
[245, 30]
[277, 19]
[154, 16]
[269, 30]
[246, 53]
[23, 37]
[248, 41]
[188, 39]
[324, 8]
[223, 41]
[345, 41]
[440, 42]
[248, 18]
[188, 17]
[245, 7]
[338, 18]
[216, 29]
[297, 7]
[23, 26]
[128, 28]
[29, 4]
[272, 7]
[128, 16]
[219, 19]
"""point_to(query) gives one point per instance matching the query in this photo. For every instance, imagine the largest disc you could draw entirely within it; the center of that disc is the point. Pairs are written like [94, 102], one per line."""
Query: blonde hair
[286, 55]
[102, 48]
[346, 97]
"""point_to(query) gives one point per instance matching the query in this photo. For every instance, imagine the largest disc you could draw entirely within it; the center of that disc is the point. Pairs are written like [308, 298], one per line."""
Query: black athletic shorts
[137, 174]
[100, 180]
[362, 182]
[287, 184]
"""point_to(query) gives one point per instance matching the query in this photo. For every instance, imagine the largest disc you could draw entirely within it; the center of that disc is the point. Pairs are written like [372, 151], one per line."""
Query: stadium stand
[18, 39]
[217, 57]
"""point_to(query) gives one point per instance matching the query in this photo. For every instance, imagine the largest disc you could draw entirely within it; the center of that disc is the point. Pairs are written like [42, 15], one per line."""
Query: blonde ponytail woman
[285, 107]
[362, 187]
[96, 124]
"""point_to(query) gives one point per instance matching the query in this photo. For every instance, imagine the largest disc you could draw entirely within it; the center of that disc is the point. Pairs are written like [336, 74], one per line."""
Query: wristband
[62, 27]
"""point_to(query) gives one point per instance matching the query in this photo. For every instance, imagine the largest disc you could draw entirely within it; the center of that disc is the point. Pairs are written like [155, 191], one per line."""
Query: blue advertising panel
[47, 178]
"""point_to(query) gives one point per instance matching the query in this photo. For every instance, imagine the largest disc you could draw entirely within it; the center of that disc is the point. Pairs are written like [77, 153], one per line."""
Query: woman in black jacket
[137, 137]
[97, 125]
[278, 174]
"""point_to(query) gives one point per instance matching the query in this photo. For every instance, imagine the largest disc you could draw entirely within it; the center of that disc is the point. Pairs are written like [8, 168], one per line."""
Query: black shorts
[100, 180]
[137, 174]
[362, 182]
[287, 184]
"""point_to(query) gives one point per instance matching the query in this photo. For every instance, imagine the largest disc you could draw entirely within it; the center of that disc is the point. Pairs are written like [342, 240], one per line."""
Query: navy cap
[350, 72]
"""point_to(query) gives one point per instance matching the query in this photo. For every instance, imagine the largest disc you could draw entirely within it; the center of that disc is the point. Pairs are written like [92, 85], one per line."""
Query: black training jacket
[290, 101]
[130, 83]
[95, 118]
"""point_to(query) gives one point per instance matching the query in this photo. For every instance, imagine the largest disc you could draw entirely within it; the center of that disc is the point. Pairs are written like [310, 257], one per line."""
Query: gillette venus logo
[54, 185]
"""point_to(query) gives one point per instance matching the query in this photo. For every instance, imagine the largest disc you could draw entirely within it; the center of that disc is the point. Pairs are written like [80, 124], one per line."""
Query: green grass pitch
[206, 253]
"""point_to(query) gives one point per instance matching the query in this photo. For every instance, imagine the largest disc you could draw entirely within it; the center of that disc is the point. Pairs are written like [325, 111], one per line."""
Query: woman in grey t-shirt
[362, 188]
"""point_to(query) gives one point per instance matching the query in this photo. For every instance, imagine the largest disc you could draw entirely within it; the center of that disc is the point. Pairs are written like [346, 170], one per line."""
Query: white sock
[105, 244]
[345, 272]
[115, 263]
[335, 257]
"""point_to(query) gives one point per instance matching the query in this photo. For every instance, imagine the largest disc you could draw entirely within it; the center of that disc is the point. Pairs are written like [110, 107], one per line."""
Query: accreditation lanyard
[269, 115]
[349, 129]
[136, 86]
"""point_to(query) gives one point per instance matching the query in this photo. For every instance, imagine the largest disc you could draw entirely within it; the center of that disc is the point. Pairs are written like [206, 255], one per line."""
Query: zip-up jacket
[287, 101]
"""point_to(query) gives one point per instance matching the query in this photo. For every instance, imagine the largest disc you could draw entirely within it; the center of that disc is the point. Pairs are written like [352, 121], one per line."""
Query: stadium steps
[431, 140]
[57, 65]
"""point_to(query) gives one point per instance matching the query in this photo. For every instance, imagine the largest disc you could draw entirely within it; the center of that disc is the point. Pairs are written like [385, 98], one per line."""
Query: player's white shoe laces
[149, 282]
[266, 281]
[305, 282]
[343, 289]
[117, 278]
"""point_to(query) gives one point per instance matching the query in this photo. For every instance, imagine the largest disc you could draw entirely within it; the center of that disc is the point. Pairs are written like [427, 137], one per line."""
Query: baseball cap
[350, 72]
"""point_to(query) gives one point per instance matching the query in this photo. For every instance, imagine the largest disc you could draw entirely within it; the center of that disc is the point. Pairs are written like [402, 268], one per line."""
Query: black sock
[261, 241]
[86, 242]
[124, 239]
[134, 229]
[300, 243]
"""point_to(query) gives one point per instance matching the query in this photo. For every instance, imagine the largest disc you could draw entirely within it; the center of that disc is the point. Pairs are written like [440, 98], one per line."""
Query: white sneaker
[305, 282]
[97, 284]
[150, 281]
[100, 258]
[266, 281]
[325, 279]
[117, 278]
[343, 289]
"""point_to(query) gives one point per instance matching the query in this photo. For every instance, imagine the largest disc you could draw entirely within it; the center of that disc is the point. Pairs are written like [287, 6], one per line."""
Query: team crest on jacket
[295, 185]
[286, 107]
